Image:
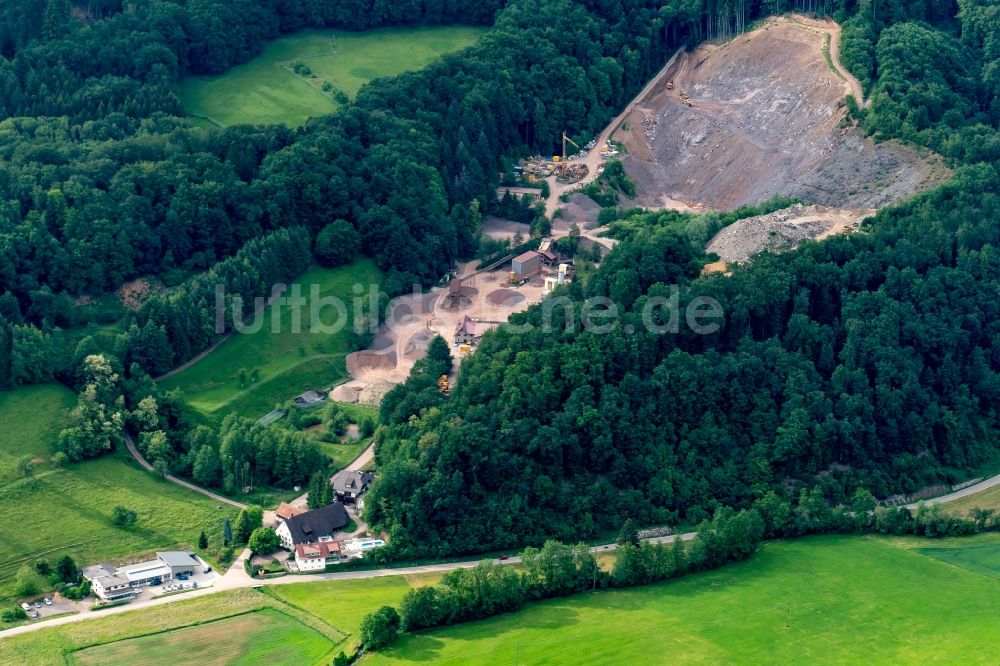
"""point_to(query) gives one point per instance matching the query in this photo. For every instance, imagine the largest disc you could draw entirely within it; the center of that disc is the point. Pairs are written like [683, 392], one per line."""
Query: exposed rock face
[766, 119]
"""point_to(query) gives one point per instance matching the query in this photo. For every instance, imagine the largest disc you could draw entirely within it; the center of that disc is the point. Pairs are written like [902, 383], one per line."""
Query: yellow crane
[565, 139]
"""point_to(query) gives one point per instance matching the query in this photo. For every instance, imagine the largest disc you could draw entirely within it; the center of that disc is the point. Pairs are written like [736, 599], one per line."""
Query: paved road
[237, 577]
[130, 444]
[959, 494]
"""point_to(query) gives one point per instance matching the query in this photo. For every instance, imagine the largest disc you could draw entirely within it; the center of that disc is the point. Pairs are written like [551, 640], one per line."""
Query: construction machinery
[566, 139]
[670, 85]
[686, 98]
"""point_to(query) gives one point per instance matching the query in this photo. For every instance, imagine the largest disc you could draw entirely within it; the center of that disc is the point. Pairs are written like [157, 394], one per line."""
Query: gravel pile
[781, 229]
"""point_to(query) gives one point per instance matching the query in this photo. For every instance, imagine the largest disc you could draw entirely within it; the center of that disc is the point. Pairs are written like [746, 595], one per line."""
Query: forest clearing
[299, 76]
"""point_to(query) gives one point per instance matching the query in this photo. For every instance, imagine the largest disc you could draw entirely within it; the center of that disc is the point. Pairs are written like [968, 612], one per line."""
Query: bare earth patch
[766, 119]
[782, 229]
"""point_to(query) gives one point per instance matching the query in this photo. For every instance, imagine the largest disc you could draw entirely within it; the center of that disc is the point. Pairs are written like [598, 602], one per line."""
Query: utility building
[527, 264]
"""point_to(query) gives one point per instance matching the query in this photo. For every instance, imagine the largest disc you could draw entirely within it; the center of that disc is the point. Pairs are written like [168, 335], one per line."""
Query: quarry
[763, 114]
[725, 125]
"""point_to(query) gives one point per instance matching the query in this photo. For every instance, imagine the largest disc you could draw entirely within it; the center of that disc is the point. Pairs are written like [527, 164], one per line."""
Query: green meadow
[68, 510]
[234, 640]
[265, 90]
[30, 419]
[830, 600]
[252, 372]
[326, 600]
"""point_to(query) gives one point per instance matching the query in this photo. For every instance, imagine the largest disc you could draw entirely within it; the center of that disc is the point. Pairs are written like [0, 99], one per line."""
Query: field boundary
[22, 560]
[165, 630]
[344, 635]
[208, 118]
[17, 483]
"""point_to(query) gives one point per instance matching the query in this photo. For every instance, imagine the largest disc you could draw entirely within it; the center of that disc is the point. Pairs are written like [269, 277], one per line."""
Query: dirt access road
[130, 445]
[593, 160]
[832, 28]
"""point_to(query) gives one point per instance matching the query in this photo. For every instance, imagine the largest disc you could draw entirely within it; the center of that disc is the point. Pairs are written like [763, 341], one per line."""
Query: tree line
[558, 570]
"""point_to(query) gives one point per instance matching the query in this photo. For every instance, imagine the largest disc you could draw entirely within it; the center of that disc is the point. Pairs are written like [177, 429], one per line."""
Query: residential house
[312, 526]
[350, 485]
[315, 556]
[112, 587]
[286, 511]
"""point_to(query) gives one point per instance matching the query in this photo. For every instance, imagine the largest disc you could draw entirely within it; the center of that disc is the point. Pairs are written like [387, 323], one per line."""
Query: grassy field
[57, 645]
[265, 90]
[70, 512]
[286, 362]
[30, 419]
[235, 640]
[328, 600]
[984, 558]
[822, 600]
[69, 509]
[984, 499]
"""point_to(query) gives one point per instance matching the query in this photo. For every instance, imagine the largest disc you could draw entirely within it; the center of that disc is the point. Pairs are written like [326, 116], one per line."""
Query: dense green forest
[101, 181]
[871, 360]
[868, 360]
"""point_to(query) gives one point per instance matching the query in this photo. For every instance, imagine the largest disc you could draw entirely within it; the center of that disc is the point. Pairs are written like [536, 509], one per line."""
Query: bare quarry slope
[766, 120]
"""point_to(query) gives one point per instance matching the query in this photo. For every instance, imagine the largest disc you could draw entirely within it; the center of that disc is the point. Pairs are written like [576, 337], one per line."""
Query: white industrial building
[113, 583]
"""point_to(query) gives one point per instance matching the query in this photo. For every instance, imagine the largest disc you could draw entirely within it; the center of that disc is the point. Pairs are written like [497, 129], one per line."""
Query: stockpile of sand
[372, 394]
[346, 393]
[581, 210]
[416, 345]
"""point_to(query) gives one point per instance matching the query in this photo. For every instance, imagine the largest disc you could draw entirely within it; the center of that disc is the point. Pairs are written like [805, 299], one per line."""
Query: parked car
[38, 604]
[503, 557]
[34, 615]
[48, 602]
[26, 606]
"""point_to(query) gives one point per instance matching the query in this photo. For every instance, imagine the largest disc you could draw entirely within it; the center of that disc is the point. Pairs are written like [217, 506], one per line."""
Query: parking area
[59, 606]
[196, 580]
